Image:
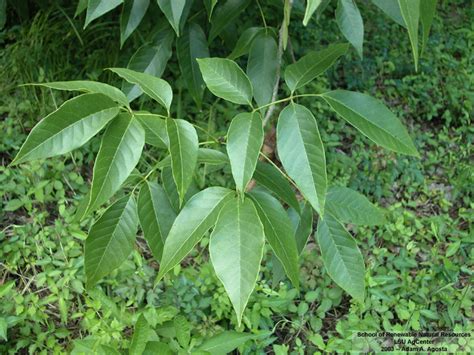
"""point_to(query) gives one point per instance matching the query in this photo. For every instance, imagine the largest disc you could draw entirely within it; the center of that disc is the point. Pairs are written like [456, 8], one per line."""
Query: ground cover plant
[172, 144]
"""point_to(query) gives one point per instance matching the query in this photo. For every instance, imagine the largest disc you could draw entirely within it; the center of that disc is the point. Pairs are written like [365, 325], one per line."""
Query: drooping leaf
[286, 22]
[155, 129]
[278, 232]
[90, 87]
[303, 225]
[154, 87]
[69, 127]
[262, 67]
[140, 336]
[244, 141]
[191, 45]
[350, 23]
[205, 156]
[391, 9]
[176, 11]
[183, 148]
[209, 5]
[226, 342]
[313, 64]
[156, 216]
[236, 250]
[171, 190]
[341, 256]
[244, 42]
[110, 240]
[196, 218]
[132, 14]
[311, 6]
[301, 152]
[80, 8]
[224, 14]
[410, 10]
[427, 13]
[151, 58]
[372, 118]
[272, 179]
[119, 153]
[97, 8]
[349, 206]
[225, 79]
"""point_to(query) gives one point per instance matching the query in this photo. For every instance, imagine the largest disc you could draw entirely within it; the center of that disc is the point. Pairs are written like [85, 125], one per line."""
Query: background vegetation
[419, 265]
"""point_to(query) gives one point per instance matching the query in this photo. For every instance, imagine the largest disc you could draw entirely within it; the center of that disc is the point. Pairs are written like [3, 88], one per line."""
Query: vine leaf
[236, 250]
[225, 79]
[132, 14]
[69, 127]
[373, 119]
[350, 23]
[244, 141]
[301, 152]
[110, 240]
[183, 148]
[196, 218]
[119, 153]
[341, 256]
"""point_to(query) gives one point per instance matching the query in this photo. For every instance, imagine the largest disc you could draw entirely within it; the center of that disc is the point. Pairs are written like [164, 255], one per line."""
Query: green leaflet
[176, 11]
[110, 240]
[191, 45]
[154, 87]
[410, 10]
[244, 42]
[209, 5]
[140, 337]
[269, 176]
[183, 148]
[244, 141]
[373, 119]
[90, 87]
[204, 156]
[427, 13]
[183, 330]
[278, 232]
[97, 8]
[236, 250]
[262, 67]
[341, 257]
[155, 129]
[226, 342]
[132, 14]
[156, 216]
[225, 79]
[350, 23]
[225, 14]
[313, 64]
[303, 225]
[119, 153]
[69, 127]
[172, 192]
[311, 6]
[349, 206]
[301, 152]
[196, 218]
[391, 9]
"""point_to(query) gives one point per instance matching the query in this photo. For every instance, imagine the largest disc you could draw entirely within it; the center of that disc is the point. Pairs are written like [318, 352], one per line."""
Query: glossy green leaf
[196, 218]
[89, 87]
[209, 5]
[191, 45]
[278, 232]
[427, 13]
[155, 129]
[132, 14]
[269, 176]
[119, 153]
[154, 87]
[313, 64]
[244, 141]
[225, 79]
[373, 119]
[224, 14]
[341, 256]
[97, 8]
[226, 342]
[236, 250]
[311, 6]
[350, 23]
[183, 150]
[301, 152]
[349, 206]
[150, 59]
[140, 337]
[244, 42]
[110, 240]
[410, 10]
[69, 127]
[391, 9]
[156, 216]
[176, 11]
[262, 67]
